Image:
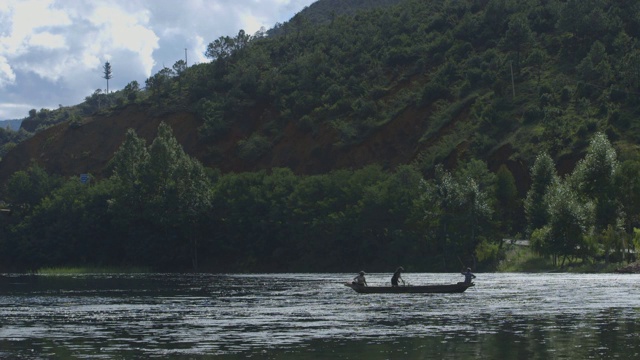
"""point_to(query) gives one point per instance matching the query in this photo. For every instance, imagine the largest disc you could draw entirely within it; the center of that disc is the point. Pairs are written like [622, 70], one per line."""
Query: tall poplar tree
[507, 196]
[594, 177]
[160, 199]
[543, 175]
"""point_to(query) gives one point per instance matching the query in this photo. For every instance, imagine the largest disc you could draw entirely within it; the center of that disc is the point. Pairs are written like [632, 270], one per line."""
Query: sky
[52, 52]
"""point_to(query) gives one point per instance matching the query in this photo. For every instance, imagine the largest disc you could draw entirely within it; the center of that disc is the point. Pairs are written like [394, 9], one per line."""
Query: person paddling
[468, 276]
[396, 277]
[360, 280]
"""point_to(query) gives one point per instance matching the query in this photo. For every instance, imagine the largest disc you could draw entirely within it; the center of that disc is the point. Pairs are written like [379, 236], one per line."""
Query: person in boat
[468, 276]
[360, 280]
[396, 277]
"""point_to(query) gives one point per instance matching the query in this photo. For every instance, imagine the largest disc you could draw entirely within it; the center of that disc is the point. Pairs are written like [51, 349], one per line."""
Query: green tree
[628, 186]
[584, 22]
[95, 101]
[69, 227]
[518, 36]
[275, 223]
[160, 84]
[543, 176]
[629, 69]
[128, 161]
[386, 214]
[177, 193]
[128, 202]
[26, 189]
[131, 90]
[241, 40]
[463, 209]
[179, 67]
[162, 195]
[478, 187]
[239, 207]
[214, 124]
[537, 60]
[225, 46]
[595, 67]
[56, 222]
[477, 211]
[443, 192]
[568, 226]
[507, 196]
[594, 177]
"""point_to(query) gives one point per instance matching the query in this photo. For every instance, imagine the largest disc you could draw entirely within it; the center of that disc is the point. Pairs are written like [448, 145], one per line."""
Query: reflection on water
[313, 316]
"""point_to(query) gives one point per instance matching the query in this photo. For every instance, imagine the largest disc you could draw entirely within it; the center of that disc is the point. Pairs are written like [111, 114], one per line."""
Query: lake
[313, 316]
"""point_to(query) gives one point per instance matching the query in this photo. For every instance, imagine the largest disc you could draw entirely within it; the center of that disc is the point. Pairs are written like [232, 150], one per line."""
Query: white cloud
[52, 51]
[7, 76]
[27, 19]
[118, 29]
[47, 40]
[200, 48]
[250, 22]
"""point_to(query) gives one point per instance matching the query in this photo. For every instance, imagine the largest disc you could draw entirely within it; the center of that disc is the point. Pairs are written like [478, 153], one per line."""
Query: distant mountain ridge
[11, 124]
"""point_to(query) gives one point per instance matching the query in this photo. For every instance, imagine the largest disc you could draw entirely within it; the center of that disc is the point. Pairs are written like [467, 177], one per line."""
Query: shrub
[254, 147]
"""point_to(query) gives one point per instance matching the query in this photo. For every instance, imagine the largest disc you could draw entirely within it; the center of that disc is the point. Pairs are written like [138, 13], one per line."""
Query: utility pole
[513, 84]
[186, 64]
[107, 73]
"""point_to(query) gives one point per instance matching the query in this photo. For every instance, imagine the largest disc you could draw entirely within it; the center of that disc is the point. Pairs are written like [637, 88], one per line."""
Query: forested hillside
[417, 82]
[325, 11]
[416, 133]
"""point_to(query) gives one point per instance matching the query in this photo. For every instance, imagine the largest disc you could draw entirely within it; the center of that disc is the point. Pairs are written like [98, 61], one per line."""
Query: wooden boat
[425, 289]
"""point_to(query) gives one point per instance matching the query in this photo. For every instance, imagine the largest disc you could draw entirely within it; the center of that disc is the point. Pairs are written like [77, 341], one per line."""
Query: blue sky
[52, 51]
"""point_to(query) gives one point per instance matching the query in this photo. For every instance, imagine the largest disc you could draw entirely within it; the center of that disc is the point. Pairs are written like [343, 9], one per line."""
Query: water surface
[313, 316]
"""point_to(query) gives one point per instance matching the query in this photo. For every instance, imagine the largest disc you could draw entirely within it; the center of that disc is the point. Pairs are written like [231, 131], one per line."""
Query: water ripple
[158, 315]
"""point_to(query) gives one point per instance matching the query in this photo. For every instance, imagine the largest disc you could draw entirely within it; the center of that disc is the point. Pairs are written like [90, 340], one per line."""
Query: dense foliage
[9, 139]
[163, 209]
[554, 80]
[160, 208]
[531, 74]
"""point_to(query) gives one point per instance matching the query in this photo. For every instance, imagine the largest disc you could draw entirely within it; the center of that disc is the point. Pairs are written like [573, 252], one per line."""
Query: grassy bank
[523, 259]
[92, 270]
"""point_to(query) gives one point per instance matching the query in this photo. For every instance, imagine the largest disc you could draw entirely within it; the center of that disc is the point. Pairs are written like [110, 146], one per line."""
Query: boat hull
[424, 289]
